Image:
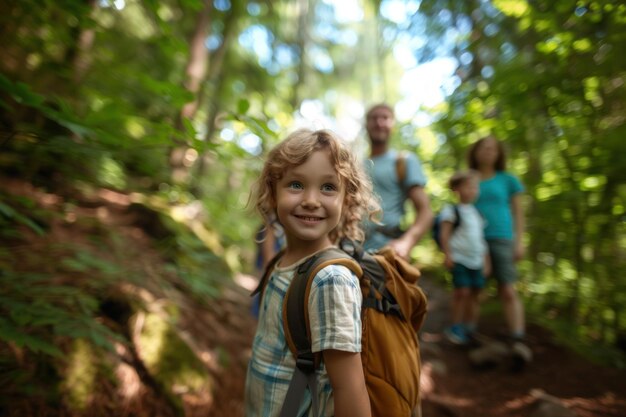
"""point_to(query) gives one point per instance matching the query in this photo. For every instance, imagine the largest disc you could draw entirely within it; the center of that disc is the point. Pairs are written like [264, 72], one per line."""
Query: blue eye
[329, 188]
[296, 185]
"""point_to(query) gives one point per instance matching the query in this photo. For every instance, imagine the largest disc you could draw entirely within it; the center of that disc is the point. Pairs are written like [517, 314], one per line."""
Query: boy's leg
[460, 298]
[460, 304]
[462, 281]
[477, 284]
[473, 311]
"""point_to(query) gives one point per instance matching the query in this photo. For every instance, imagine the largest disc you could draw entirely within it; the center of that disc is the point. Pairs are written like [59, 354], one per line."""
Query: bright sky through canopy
[421, 84]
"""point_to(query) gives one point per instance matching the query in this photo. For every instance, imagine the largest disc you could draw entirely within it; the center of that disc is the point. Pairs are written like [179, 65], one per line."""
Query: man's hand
[401, 247]
[423, 222]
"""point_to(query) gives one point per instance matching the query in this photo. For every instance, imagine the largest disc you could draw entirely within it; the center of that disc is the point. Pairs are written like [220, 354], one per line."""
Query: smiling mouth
[310, 218]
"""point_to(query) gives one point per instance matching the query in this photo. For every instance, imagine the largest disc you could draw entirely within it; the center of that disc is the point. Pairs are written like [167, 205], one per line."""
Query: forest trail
[556, 383]
[219, 333]
[131, 133]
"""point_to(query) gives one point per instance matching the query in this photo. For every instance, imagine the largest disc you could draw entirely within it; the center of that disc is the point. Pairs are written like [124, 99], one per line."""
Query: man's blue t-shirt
[383, 173]
[494, 203]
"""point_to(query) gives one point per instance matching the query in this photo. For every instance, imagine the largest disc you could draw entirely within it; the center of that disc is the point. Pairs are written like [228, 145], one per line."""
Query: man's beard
[379, 141]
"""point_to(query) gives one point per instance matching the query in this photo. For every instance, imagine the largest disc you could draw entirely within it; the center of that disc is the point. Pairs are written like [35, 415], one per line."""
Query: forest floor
[450, 386]
[557, 380]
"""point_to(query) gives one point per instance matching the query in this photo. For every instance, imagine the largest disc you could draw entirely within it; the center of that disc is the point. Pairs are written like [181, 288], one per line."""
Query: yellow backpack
[393, 311]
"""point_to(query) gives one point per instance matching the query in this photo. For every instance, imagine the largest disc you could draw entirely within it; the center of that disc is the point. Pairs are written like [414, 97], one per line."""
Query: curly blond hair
[359, 202]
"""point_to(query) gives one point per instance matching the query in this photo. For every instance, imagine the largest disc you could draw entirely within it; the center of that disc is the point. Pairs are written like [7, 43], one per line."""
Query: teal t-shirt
[494, 203]
[392, 195]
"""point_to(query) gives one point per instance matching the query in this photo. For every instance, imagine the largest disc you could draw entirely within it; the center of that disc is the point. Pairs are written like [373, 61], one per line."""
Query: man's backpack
[401, 167]
[436, 229]
[393, 310]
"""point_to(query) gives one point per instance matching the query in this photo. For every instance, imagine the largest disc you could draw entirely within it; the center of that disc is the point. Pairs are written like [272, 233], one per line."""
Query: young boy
[315, 188]
[466, 255]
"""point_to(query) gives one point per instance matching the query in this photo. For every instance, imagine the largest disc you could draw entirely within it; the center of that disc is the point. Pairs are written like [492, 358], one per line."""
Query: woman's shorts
[503, 267]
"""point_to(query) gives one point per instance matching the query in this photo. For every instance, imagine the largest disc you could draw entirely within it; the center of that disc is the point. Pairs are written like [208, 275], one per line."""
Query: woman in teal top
[500, 204]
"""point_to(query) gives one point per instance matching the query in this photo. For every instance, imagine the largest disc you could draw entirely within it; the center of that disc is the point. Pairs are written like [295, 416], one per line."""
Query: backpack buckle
[383, 305]
[305, 362]
[387, 307]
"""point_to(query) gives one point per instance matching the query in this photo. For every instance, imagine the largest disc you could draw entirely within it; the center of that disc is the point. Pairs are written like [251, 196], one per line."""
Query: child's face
[309, 200]
[468, 190]
[487, 152]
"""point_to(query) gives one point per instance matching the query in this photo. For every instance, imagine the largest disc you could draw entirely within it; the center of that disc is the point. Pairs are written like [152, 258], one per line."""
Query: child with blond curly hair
[316, 189]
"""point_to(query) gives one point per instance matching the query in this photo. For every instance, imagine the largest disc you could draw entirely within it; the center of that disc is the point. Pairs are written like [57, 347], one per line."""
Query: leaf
[11, 213]
[21, 92]
[243, 106]
[75, 265]
[31, 224]
[7, 211]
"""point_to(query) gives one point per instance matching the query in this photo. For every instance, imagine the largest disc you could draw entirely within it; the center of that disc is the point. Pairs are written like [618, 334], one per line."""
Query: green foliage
[577, 337]
[94, 95]
[35, 313]
[9, 217]
[85, 261]
[202, 272]
[35, 310]
[539, 76]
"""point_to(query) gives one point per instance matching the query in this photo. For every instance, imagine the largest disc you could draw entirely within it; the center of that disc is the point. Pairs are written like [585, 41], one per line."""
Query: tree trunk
[303, 38]
[195, 72]
[213, 88]
[214, 84]
[82, 58]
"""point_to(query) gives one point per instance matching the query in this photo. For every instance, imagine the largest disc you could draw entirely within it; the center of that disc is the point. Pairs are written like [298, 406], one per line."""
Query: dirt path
[222, 334]
[556, 381]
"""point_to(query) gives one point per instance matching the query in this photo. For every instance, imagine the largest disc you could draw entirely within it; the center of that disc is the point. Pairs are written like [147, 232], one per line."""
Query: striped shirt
[334, 315]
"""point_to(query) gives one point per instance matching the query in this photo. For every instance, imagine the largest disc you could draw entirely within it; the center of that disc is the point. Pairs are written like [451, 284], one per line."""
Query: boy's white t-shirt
[335, 321]
[467, 244]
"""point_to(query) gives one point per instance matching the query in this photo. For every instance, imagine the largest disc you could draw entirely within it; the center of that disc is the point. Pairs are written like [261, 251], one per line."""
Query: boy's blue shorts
[464, 277]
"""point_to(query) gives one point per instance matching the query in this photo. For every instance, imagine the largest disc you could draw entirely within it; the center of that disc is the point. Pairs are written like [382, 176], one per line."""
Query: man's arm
[345, 372]
[422, 224]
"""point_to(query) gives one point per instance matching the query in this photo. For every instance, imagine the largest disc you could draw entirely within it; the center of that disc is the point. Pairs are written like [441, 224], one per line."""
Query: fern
[11, 214]
[36, 312]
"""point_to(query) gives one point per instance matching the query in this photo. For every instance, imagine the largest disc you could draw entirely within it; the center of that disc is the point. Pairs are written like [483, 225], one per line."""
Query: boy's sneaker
[456, 334]
[473, 340]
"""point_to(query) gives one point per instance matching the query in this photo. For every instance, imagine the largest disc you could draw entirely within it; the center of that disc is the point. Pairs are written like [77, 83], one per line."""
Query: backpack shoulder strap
[457, 216]
[260, 289]
[401, 167]
[298, 330]
[295, 306]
